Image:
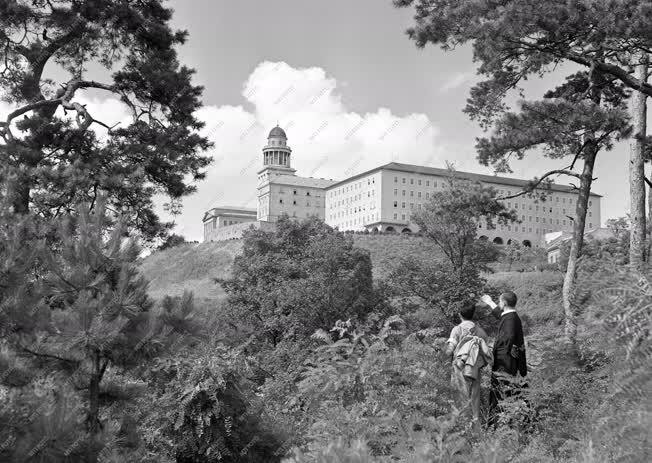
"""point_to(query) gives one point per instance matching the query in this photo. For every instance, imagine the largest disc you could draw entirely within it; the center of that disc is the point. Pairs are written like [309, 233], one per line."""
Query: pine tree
[78, 314]
[580, 118]
[517, 39]
[53, 158]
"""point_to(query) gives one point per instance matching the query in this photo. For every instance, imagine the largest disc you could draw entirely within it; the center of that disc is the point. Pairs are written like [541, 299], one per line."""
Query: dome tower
[277, 152]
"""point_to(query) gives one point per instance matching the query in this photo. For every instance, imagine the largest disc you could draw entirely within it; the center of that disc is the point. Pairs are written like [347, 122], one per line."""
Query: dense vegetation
[304, 344]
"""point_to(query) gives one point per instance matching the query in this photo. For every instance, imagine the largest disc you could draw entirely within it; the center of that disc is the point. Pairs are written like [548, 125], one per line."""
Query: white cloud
[328, 140]
[457, 80]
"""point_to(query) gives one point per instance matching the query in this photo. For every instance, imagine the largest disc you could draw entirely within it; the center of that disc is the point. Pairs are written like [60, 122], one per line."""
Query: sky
[348, 86]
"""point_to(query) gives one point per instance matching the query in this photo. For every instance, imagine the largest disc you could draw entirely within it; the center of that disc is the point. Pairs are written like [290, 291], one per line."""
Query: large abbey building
[383, 199]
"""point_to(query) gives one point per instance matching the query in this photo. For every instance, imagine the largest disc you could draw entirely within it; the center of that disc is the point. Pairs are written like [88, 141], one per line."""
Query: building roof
[293, 180]
[594, 233]
[414, 169]
[229, 210]
[277, 132]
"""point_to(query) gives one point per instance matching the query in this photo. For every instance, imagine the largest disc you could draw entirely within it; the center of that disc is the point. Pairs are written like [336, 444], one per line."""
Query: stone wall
[230, 232]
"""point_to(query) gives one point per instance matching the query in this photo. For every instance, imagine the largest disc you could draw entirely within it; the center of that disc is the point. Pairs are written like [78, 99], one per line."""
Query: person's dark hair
[510, 298]
[468, 310]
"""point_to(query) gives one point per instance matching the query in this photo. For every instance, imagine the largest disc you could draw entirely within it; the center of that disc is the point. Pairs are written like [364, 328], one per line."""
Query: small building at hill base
[555, 241]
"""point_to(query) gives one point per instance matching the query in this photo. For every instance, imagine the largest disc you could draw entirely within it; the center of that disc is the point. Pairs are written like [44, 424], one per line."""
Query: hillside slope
[194, 266]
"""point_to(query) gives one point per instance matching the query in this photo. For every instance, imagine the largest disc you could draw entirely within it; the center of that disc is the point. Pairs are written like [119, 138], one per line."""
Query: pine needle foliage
[79, 316]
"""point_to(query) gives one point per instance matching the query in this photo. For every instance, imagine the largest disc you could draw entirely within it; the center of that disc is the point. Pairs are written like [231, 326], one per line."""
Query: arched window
[498, 240]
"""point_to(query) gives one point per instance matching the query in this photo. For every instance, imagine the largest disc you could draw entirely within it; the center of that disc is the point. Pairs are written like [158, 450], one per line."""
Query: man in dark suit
[510, 364]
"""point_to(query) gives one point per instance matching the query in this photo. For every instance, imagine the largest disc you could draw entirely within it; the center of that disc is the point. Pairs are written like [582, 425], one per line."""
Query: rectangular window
[403, 193]
[537, 219]
[411, 181]
[403, 178]
[419, 194]
[590, 203]
[395, 216]
[419, 182]
[402, 216]
[427, 195]
[403, 205]
[411, 206]
[590, 225]
[590, 214]
[294, 192]
[427, 182]
[412, 193]
[280, 201]
[395, 179]
[395, 192]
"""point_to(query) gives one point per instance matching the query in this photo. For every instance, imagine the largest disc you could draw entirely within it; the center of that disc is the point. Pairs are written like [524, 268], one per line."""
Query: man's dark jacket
[509, 348]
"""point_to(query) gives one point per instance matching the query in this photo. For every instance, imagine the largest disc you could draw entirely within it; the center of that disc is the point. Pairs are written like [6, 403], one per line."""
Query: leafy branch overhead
[57, 163]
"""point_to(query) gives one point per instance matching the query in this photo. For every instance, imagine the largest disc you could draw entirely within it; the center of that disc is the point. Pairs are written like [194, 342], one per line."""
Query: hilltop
[193, 266]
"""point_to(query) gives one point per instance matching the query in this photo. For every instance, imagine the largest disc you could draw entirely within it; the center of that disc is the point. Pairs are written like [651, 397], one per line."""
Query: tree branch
[534, 185]
[64, 98]
[52, 356]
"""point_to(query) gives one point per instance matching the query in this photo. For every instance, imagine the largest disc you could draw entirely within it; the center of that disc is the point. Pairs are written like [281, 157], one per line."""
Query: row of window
[351, 199]
[411, 193]
[403, 205]
[296, 203]
[523, 229]
[352, 187]
[420, 182]
[296, 192]
[358, 221]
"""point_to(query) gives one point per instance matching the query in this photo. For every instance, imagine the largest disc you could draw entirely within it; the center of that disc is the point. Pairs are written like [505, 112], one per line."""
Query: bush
[206, 411]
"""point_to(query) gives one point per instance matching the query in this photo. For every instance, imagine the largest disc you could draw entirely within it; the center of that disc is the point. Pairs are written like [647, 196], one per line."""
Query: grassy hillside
[194, 266]
[190, 267]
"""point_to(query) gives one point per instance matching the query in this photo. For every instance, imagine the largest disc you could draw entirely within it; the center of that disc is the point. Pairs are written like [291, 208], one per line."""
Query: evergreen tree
[79, 315]
[517, 39]
[53, 160]
[580, 118]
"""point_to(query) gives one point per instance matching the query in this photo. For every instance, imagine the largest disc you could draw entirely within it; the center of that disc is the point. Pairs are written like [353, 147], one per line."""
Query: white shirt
[507, 310]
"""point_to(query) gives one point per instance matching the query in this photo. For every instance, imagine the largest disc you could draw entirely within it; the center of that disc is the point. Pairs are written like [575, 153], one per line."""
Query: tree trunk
[581, 204]
[648, 222]
[94, 409]
[637, 171]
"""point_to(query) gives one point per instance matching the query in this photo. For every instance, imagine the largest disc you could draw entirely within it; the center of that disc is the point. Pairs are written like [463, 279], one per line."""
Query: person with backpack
[467, 347]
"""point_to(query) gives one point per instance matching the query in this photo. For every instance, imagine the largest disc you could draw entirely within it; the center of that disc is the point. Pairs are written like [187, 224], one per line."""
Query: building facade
[280, 190]
[217, 221]
[386, 197]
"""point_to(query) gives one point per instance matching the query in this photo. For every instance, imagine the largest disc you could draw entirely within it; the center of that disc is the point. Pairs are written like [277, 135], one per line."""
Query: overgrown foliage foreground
[321, 363]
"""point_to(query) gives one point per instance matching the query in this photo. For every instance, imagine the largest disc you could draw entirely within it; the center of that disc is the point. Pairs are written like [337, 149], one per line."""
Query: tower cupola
[277, 152]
